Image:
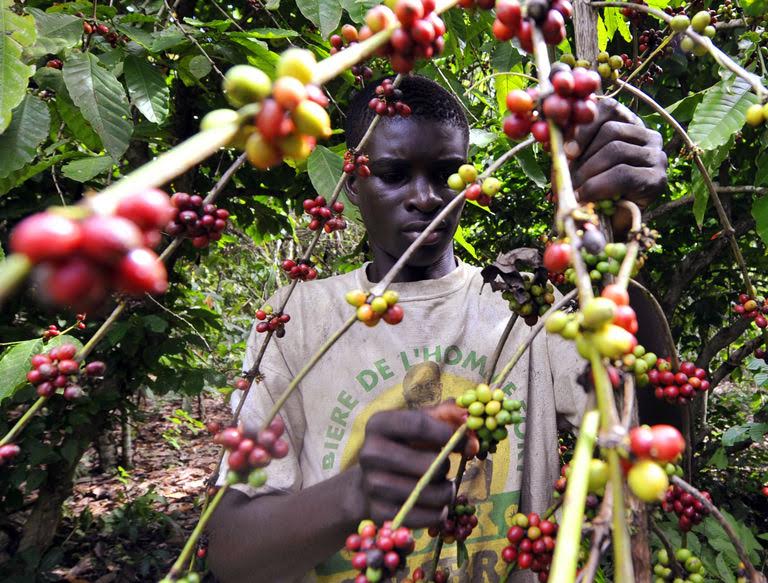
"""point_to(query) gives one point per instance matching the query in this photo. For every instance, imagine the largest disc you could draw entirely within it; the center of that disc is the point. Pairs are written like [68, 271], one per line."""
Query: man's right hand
[399, 446]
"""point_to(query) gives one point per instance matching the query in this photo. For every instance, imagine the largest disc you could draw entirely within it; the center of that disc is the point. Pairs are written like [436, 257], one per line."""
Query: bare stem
[632, 247]
[23, 420]
[566, 554]
[677, 569]
[500, 346]
[601, 529]
[308, 367]
[499, 380]
[189, 547]
[754, 575]
[425, 479]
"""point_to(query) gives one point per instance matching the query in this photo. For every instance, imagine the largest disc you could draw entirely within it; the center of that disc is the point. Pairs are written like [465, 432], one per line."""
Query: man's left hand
[617, 155]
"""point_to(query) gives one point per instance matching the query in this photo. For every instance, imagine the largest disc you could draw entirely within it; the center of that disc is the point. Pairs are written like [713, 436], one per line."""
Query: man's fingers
[418, 517]
[410, 426]
[612, 154]
[396, 488]
[618, 131]
[607, 110]
[636, 183]
[380, 453]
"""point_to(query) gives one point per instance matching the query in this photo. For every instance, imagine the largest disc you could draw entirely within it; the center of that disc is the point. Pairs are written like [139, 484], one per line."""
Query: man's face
[410, 161]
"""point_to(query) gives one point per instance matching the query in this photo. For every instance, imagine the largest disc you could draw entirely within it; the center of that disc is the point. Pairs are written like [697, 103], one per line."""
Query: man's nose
[422, 196]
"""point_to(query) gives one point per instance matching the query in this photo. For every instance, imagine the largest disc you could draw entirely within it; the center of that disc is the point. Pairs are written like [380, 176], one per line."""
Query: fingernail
[444, 513]
[572, 149]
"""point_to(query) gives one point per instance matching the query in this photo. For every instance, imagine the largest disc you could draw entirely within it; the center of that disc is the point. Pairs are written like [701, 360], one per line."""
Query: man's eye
[392, 176]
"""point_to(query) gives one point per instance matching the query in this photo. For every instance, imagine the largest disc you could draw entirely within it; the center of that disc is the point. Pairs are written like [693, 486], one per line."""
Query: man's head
[410, 161]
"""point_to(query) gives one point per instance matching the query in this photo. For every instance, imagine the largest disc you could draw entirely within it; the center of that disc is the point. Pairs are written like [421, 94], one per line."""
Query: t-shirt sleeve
[283, 475]
[565, 364]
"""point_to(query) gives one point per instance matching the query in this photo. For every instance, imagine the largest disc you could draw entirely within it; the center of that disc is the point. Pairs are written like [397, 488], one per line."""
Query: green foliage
[16, 33]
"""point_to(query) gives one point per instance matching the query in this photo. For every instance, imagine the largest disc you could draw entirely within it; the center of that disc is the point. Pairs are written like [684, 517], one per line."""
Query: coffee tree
[101, 106]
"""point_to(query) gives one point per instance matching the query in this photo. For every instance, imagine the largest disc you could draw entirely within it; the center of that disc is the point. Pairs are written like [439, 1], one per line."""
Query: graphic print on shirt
[493, 485]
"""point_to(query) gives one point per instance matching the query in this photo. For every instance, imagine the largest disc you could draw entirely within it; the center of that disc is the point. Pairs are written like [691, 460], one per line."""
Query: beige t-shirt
[442, 347]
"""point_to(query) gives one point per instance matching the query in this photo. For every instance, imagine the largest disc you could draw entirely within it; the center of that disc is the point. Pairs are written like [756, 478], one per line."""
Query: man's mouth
[414, 229]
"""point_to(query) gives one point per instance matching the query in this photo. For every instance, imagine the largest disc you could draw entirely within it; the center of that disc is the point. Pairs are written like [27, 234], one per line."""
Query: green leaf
[63, 339]
[85, 169]
[462, 556]
[725, 570]
[754, 7]
[55, 32]
[199, 66]
[747, 432]
[16, 33]
[15, 364]
[527, 160]
[481, 138]
[147, 88]
[712, 160]
[614, 21]
[325, 14]
[20, 177]
[324, 168]
[761, 177]
[458, 236]
[102, 101]
[358, 8]
[503, 84]
[719, 459]
[272, 32]
[155, 323]
[28, 129]
[602, 34]
[76, 123]
[721, 114]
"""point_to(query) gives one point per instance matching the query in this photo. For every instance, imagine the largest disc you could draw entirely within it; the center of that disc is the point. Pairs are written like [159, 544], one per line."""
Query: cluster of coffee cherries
[490, 411]
[677, 387]
[8, 452]
[269, 321]
[56, 370]
[651, 447]
[592, 502]
[349, 37]
[689, 510]
[329, 218]
[53, 330]
[536, 301]
[250, 454]
[200, 222]
[571, 103]
[702, 22]
[378, 553]
[639, 362]
[649, 39]
[420, 35]
[291, 112]
[355, 163]
[549, 16]
[466, 179]
[459, 523]
[91, 26]
[532, 543]
[607, 322]
[599, 264]
[383, 307]
[635, 17]
[727, 11]
[54, 63]
[78, 262]
[757, 114]
[752, 308]
[301, 269]
[608, 66]
[188, 577]
[388, 100]
[694, 568]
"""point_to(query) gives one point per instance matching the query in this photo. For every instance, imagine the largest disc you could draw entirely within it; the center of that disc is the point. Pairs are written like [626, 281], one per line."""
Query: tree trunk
[126, 452]
[585, 28]
[107, 450]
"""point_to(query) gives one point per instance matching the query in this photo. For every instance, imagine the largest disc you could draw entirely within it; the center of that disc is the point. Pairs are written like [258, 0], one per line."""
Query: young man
[359, 434]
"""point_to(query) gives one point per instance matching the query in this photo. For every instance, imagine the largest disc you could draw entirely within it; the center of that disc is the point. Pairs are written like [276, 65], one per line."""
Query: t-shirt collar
[424, 289]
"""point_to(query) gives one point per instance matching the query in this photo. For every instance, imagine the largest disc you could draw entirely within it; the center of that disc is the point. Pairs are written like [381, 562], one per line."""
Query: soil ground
[130, 525]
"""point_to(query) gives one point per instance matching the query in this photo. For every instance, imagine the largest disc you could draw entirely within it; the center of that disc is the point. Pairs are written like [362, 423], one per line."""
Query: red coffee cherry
[45, 236]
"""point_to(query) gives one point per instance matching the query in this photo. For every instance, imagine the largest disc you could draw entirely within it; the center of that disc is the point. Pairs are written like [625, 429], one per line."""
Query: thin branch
[669, 340]
[722, 215]
[226, 15]
[500, 346]
[663, 209]
[754, 575]
[192, 39]
[600, 536]
[734, 360]
[720, 57]
[182, 318]
[677, 569]
[760, 190]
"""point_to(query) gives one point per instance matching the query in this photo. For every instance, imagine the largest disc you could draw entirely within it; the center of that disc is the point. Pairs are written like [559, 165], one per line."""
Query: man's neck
[383, 262]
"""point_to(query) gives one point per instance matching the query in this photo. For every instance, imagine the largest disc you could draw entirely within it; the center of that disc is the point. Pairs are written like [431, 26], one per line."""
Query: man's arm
[282, 537]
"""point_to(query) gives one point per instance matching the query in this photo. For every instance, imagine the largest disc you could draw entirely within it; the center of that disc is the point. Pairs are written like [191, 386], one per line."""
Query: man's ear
[350, 187]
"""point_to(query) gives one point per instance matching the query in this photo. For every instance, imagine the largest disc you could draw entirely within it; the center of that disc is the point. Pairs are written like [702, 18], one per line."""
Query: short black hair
[427, 100]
